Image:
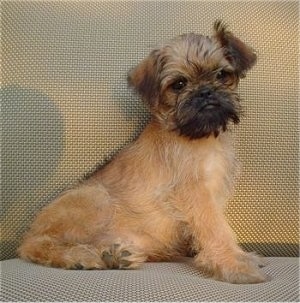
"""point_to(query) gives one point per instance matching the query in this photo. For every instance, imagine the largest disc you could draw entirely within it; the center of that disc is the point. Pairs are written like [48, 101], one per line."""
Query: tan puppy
[162, 196]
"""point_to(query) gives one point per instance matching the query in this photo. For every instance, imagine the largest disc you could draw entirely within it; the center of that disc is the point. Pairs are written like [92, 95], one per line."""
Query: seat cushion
[176, 281]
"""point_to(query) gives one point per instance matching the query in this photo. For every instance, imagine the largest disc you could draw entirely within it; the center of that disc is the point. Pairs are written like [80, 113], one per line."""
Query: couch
[66, 108]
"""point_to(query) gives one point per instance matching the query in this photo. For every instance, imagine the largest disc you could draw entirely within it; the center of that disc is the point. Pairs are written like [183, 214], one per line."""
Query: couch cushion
[172, 282]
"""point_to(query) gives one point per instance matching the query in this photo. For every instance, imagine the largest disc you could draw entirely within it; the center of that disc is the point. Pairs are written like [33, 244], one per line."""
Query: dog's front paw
[240, 272]
[243, 268]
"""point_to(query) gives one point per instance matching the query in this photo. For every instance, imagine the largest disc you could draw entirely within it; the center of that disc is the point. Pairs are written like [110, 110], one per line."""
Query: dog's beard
[200, 116]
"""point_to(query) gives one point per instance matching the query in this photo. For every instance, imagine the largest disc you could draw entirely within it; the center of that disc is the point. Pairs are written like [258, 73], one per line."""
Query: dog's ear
[240, 55]
[144, 78]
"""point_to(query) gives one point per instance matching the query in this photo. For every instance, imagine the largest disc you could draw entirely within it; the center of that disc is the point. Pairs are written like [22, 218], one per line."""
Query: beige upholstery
[66, 108]
[172, 282]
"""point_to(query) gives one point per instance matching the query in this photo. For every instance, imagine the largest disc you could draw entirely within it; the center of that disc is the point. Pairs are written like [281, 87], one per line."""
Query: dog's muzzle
[208, 111]
[206, 98]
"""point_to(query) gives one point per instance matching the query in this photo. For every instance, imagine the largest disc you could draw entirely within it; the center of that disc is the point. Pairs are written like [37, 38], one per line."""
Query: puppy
[162, 196]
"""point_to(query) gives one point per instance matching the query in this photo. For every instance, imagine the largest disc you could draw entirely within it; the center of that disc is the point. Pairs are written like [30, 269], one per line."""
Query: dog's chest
[201, 161]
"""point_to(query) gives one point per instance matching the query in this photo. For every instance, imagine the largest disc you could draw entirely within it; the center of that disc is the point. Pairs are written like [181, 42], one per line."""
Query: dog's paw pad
[125, 264]
[107, 255]
[125, 253]
[77, 266]
[108, 258]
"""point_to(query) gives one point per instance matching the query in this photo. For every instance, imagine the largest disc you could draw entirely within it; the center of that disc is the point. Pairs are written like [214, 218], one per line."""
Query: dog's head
[190, 82]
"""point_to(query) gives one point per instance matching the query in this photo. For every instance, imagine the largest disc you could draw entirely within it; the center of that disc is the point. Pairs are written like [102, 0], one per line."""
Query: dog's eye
[179, 84]
[223, 75]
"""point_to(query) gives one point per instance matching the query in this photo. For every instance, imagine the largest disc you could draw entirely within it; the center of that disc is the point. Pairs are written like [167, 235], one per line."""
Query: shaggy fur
[163, 195]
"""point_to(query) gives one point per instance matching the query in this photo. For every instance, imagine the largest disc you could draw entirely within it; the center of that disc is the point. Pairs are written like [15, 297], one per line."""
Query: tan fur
[163, 195]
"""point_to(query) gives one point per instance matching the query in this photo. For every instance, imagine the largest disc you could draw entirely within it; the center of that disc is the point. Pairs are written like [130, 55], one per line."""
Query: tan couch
[66, 107]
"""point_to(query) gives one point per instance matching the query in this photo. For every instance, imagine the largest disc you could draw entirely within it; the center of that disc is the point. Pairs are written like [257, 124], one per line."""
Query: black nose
[205, 92]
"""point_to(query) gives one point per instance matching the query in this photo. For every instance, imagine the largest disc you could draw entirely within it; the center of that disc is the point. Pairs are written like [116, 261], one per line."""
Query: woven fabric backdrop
[66, 106]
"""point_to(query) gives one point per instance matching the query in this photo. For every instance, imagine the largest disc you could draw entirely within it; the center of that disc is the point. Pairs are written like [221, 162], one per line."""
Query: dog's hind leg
[49, 251]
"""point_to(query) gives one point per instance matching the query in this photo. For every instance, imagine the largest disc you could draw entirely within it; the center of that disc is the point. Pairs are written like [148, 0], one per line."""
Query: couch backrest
[66, 105]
